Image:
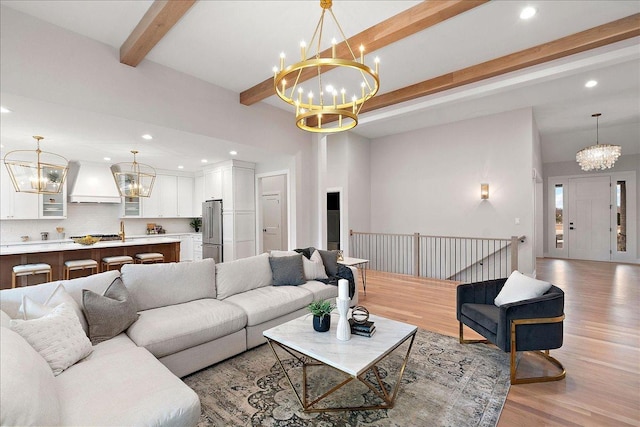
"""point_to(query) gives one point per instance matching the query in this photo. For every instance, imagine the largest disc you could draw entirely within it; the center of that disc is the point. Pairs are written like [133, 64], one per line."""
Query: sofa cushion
[118, 343]
[314, 267]
[28, 393]
[5, 320]
[109, 314]
[125, 388]
[519, 287]
[319, 290]
[287, 270]
[270, 302]
[162, 284]
[30, 309]
[330, 261]
[486, 315]
[242, 275]
[167, 330]
[57, 336]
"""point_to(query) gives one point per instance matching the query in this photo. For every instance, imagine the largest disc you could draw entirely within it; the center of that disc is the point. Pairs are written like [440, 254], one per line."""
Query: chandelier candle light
[599, 156]
[36, 171]
[134, 179]
[331, 102]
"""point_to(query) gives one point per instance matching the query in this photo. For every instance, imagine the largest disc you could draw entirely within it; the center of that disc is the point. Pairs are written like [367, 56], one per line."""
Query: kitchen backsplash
[87, 218]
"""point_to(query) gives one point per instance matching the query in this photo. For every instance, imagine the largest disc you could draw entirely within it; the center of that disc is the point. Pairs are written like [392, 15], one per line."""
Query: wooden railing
[464, 259]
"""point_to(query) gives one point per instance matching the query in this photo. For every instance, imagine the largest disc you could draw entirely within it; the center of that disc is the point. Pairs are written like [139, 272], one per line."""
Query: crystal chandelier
[599, 156]
[134, 179]
[327, 101]
[36, 171]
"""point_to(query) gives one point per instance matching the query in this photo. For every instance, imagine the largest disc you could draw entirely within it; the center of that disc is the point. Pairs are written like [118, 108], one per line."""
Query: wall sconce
[484, 191]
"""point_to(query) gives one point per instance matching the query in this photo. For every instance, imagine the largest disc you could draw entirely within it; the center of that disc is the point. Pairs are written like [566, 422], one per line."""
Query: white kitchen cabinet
[197, 247]
[198, 195]
[213, 184]
[186, 247]
[53, 206]
[163, 202]
[131, 207]
[185, 197]
[14, 205]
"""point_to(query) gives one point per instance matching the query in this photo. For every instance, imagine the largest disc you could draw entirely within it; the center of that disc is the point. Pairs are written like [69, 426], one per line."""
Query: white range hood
[91, 183]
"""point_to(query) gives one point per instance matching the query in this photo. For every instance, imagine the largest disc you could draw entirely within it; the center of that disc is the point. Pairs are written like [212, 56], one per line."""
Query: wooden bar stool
[149, 257]
[30, 270]
[110, 261]
[79, 264]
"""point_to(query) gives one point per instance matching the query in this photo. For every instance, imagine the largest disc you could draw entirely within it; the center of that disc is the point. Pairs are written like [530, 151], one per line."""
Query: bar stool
[79, 264]
[118, 260]
[149, 257]
[30, 270]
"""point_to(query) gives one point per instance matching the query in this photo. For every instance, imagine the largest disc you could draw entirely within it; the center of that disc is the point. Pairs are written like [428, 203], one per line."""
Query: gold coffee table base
[308, 404]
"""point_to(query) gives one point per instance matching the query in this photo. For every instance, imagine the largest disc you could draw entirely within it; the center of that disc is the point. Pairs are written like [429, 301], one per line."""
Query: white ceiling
[234, 44]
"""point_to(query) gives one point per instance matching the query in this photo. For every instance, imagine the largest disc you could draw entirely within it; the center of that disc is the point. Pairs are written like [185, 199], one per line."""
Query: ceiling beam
[159, 19]
[592, 38]
[404, 24]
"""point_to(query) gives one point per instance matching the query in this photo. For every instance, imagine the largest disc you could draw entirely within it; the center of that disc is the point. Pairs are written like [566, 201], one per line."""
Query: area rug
[444, 384]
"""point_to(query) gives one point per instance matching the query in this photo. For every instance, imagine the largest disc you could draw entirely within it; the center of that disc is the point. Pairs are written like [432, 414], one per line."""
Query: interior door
[590, 218]
[271, 222]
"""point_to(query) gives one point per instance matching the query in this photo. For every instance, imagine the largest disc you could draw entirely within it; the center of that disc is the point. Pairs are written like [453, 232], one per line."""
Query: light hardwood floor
[601, 350]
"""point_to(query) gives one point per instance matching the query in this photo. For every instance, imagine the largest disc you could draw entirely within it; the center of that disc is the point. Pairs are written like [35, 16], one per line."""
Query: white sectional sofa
[191, 315]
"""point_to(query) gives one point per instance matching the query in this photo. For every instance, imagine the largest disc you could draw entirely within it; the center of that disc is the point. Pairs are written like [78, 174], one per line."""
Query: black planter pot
[322, 324]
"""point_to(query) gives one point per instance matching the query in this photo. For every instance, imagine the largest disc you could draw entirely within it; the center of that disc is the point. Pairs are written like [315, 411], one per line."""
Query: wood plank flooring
[601, 350]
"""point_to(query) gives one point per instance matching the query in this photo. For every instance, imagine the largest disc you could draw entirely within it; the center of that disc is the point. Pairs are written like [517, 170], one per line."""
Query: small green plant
[321, 308]
[196, 223]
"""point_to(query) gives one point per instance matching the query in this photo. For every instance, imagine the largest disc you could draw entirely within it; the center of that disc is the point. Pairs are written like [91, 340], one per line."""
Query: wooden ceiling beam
[592, 38]
[402, 25]
[159, 19]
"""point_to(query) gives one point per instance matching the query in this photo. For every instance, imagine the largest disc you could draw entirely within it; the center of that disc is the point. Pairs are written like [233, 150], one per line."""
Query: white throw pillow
[28, 395]
[58, 337]
[314, 268]
[31, 309]
[519, 287]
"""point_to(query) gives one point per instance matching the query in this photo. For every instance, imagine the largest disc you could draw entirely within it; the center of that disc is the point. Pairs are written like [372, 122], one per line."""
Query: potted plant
[196, 223]
[321, 311]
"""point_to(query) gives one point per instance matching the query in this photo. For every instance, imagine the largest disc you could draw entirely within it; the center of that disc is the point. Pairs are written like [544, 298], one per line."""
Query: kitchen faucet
[121, 233]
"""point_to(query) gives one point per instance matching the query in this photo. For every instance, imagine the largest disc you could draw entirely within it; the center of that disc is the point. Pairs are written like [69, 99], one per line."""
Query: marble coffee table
[354, 358]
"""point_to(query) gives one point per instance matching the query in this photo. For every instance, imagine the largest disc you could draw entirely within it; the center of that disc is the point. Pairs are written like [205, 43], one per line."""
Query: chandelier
[36, 171]
[599, 156]
[134, 179]
[326, 101]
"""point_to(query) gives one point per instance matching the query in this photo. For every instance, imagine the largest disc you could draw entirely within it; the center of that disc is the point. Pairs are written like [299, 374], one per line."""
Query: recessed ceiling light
[527, 12]
[204, 160]
[591, 83]
[147, 136]
[107, 158]
[180, 167]
[233, 152]
[4, 110]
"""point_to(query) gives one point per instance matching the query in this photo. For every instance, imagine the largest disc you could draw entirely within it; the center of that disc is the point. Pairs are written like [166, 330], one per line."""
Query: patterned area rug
[444, 384]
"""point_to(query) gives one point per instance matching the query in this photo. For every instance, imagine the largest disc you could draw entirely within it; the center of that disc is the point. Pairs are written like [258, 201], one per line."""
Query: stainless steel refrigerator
[212, 230]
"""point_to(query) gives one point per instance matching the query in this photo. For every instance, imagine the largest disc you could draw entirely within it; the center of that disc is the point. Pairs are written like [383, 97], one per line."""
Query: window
[559, 214]
[621, 215]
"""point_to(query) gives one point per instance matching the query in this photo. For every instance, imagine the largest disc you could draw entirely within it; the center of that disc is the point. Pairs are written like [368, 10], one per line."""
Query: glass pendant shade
[599, 156]
[134, 179]
[36, 171]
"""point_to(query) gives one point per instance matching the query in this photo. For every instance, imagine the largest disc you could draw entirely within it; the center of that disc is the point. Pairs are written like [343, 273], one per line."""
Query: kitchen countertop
[69, 245]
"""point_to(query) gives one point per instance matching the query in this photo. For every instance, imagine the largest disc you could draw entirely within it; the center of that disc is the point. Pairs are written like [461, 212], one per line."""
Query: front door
[590, 218]
[271, 222]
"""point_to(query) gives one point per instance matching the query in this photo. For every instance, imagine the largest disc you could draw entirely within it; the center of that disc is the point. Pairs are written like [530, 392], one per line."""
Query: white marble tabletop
[69, 245]
[352, 261]
[353, 357]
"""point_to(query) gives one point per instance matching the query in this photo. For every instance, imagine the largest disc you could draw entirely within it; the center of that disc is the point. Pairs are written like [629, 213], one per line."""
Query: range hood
[91, 183]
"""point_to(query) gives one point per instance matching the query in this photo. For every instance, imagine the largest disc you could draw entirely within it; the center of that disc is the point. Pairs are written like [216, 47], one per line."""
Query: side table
[358, 263]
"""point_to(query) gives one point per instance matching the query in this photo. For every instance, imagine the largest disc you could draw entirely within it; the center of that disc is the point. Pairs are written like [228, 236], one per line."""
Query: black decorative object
[360, 314]
[321, 324]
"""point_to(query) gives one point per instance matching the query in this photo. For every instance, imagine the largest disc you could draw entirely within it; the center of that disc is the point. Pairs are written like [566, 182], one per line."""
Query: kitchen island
[55, 253]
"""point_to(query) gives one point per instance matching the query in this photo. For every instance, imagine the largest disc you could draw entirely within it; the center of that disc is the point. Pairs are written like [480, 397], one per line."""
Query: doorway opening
[333, 220]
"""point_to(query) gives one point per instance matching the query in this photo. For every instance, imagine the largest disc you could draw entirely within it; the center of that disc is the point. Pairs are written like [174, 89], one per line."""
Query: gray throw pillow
[108, 314]
[287, 270]
[330, 261]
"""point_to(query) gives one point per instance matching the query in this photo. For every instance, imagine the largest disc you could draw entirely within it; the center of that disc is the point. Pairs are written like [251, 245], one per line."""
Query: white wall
[428, 181]
[48, 63]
